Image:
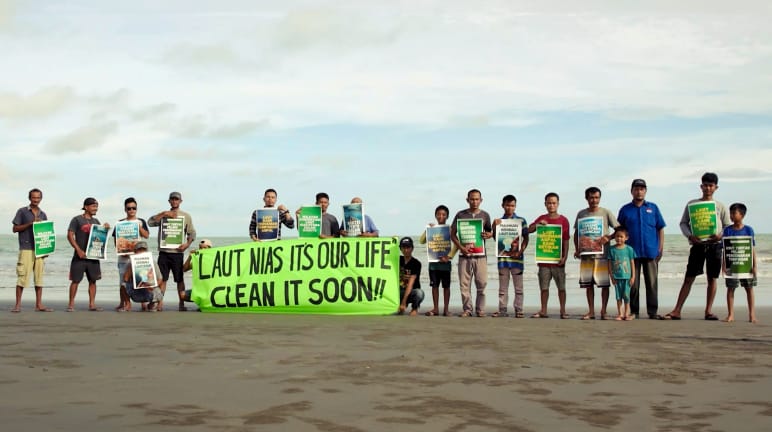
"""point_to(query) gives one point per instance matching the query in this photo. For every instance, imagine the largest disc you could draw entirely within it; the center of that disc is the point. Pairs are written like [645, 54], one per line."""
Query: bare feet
[413, 312]
[619, 318]
[630, 317]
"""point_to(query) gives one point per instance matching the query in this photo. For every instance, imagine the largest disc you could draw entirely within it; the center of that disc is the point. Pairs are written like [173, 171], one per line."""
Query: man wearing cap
[646, 228]
[409, 275]
[145, 293]
[78, 234]
[130, 206]
[28, 263]
[170, 259]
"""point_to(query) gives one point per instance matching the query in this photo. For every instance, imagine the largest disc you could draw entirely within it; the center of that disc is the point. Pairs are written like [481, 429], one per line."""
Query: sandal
[711, 317]
[539, 315]
[498, 314]
[519, 315]
[431, 313]
[587, 317]
[465, 314]
[565, 316]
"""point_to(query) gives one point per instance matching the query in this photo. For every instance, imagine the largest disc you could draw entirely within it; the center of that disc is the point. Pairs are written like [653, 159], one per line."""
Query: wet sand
[222, 372]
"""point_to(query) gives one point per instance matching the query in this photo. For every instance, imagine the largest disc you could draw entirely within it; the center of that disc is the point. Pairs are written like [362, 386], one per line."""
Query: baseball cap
[175, 195]
[205, 242]
[639, 182]
[140, 245]
[89, 201]
[406, 242]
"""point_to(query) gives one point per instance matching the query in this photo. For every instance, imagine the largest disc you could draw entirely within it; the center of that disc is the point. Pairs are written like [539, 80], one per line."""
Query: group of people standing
[638, 230]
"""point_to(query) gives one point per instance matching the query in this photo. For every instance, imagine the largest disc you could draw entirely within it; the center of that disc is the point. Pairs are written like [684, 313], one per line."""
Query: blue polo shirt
[642, 224]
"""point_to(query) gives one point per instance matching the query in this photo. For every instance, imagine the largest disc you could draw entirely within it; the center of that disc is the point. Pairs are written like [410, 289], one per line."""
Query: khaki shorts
[547, 273]
[29, 265]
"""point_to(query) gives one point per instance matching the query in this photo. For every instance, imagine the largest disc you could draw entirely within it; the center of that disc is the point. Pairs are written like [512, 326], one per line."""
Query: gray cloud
[82, 139]
[42, 103]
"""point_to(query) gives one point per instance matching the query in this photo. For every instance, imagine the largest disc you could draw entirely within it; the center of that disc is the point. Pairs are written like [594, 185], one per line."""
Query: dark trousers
[646, 269]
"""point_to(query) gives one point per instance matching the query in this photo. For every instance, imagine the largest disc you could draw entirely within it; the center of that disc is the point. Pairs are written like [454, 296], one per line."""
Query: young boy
[409, 273]
[471, 265]
[512, 265]
[737, 214]
[439, 272]
[556, 272]
[621, 271]
[702, 253]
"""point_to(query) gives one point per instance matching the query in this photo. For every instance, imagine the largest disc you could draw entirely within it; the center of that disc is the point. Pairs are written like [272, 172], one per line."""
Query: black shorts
[439, 277]
[707, 255]
[170, 261]
[89, 267]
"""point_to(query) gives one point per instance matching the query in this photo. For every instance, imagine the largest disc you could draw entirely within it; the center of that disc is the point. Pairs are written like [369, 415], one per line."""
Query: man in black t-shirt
[409, 273]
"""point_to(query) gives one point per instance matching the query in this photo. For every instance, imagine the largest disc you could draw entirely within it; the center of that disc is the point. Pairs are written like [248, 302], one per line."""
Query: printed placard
[96, 248]
[172, 232]
[353, 219]
[470, 235]
[509, 234]
[438, 243]
[738, 257]
[267, 224]
[703, 219]
[45, 238]
[310, 222]
[143, 271]
[589, 232]
[549, 244]
[126, 236]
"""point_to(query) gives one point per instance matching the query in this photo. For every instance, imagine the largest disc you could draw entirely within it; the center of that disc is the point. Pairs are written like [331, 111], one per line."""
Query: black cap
[638, 182]
[406, 242]
[88, 201]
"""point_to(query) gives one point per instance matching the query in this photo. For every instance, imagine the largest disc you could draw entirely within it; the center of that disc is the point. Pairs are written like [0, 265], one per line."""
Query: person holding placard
[28, 263]
[736, 254]
[141, 286]
[78, 235]
[552, 271]
[439, 271]
[591, 237]
[702, 224]
[175, 235]
[470, 241]
[511, 247]
[330, 227]
[124, 244]
[269, 201]
[367, 230]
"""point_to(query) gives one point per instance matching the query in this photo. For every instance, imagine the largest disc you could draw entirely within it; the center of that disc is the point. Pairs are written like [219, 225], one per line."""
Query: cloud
[189, 54]
[6, 13]
[42, 103]
[84, 138]
[197, 126]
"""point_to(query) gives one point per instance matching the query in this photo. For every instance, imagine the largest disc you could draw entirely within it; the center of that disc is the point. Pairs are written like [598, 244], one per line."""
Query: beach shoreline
[150, 371]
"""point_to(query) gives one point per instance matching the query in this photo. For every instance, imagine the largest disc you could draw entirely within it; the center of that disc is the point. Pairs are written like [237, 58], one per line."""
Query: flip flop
[466, 314]
[539, 315]
[668, 317]
[711, 317]
[565, 316]
[69, 309]
[45, 309]
[430, 313]
[587, 317]
[16, 310]
[95, 309]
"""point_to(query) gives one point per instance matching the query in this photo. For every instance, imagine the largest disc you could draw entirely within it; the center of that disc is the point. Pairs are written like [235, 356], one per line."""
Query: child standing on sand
[737, 229]
[621, 271]
[439, 272]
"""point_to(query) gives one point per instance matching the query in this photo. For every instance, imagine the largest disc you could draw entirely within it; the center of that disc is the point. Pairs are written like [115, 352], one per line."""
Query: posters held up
[589, 231]
[267, 224]
[310, 222]
[96, 248]
[357, 276]
[126, 236]
[549, 244]
[470, 235]
[172, 232]
[703, 219]
[144, 271]
[509, 234]
[353, 219]
[45, 238]
[738, 257]
[438, 243]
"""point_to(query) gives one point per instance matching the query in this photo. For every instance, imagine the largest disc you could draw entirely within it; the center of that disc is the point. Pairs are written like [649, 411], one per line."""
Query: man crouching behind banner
[151, 296]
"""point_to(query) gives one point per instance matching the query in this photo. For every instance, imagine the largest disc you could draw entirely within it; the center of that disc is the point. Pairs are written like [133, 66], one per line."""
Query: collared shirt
[24, 216]
[643, 224]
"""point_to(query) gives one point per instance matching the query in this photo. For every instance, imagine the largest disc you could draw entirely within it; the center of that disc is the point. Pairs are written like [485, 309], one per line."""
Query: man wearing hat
[77, 234]
[171, 259]
[645, 226]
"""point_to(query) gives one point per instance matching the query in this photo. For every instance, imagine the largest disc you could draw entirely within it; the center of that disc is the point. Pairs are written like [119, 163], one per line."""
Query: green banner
[703, 219]
[549, 244]
[310, 222]
[45, 238]
[738, 257]
[349, 276]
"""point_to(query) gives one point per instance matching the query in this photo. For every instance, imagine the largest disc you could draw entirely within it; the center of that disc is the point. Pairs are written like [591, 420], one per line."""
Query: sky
[406, 104]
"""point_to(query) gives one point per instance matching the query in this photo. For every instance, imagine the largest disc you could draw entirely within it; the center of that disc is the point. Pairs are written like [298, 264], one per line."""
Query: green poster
[549, 244]
[470, 235]
[353, 276]
[45, 238]
[310, 222]
[172, 232]
[703, 219]
[738, 257]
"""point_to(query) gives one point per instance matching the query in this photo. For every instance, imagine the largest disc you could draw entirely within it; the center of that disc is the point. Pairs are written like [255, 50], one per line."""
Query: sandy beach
[152, 371]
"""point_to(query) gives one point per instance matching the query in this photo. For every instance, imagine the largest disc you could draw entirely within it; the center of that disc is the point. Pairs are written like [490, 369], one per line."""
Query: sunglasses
[130, 208]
